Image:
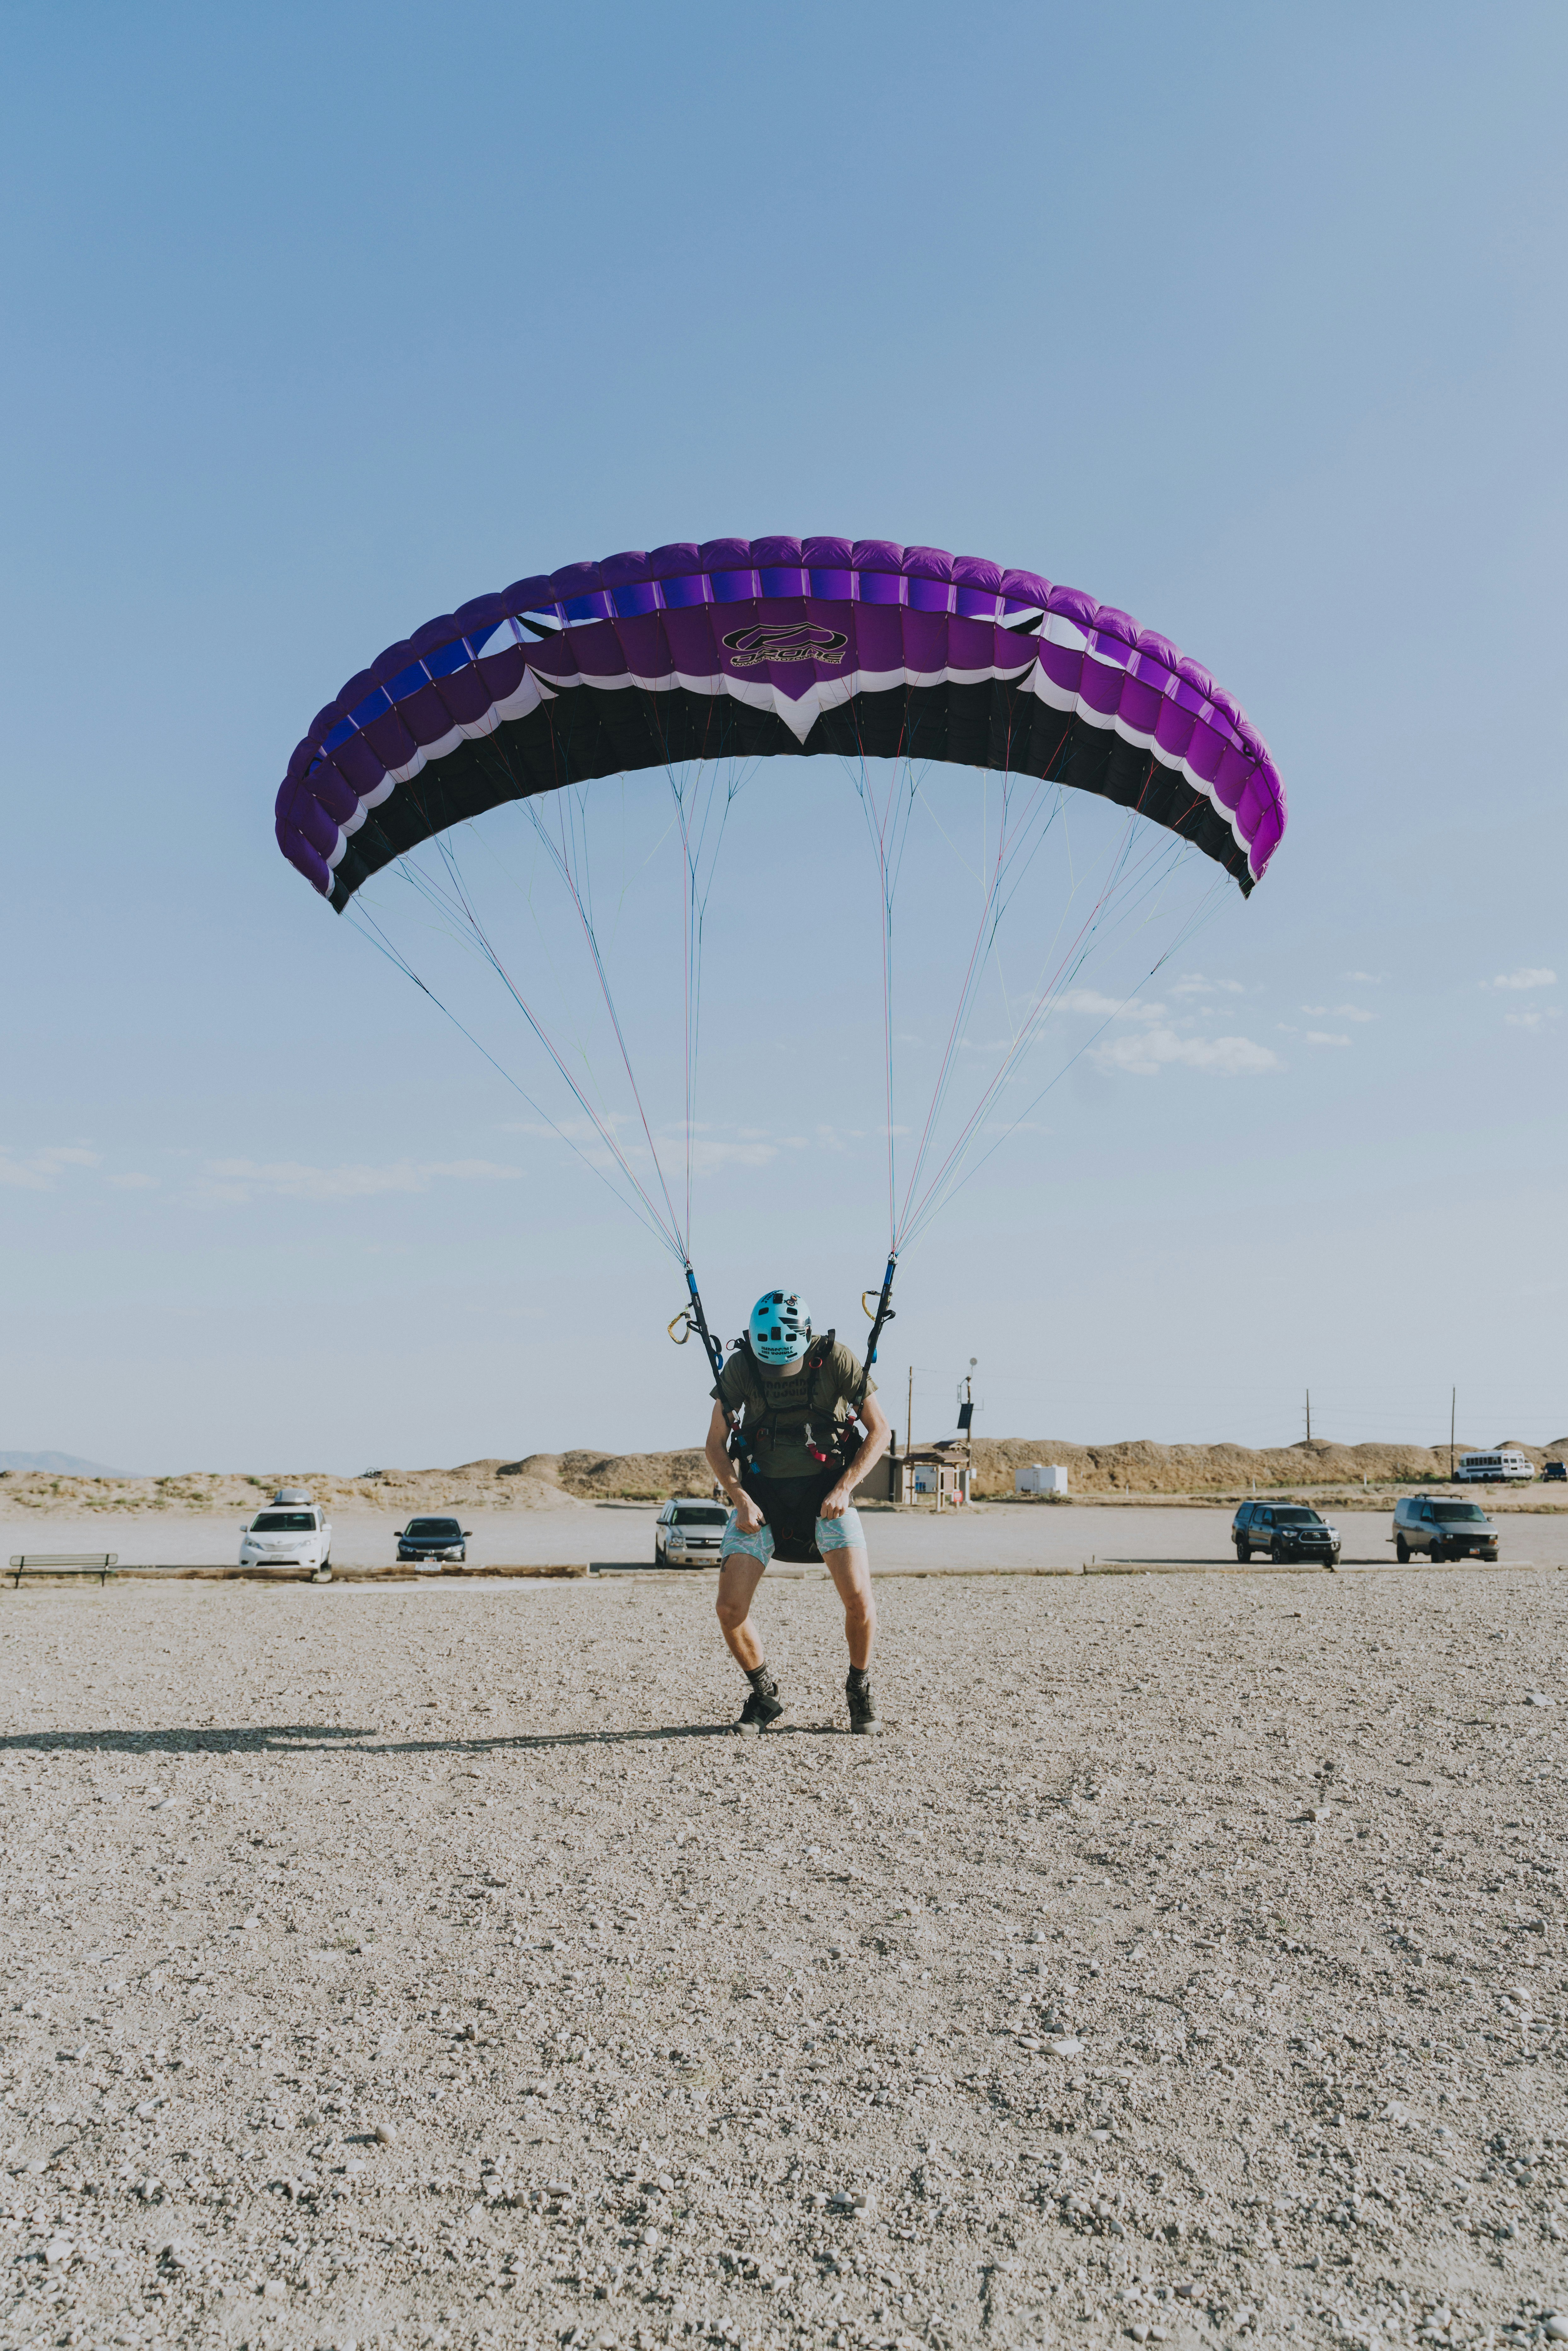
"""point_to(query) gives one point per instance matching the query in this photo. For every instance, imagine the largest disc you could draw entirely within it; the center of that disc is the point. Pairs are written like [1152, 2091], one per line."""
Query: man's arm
[834, 1504]
[717, 1452]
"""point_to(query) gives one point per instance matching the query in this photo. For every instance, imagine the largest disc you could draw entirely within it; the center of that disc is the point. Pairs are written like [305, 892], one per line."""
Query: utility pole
[967, 1423]
[1453, 1412]
[1309, 1415]
[909, 1415]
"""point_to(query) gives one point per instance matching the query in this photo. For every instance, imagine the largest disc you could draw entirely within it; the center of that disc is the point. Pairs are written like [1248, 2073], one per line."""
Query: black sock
[761, 1680]
[857, 1677]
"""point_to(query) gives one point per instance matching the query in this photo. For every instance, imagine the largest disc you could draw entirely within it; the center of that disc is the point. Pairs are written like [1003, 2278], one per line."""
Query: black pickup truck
[1285, 1531]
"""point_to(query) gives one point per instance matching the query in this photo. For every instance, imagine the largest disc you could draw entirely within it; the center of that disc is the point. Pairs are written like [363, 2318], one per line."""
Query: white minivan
[292, 1531]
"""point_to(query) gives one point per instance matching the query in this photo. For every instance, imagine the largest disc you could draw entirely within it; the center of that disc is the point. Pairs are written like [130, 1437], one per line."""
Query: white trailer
[1041, 1477]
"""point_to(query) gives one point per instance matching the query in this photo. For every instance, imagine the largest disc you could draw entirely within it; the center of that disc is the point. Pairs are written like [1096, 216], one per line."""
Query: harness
[844, 1436]
[747, 1434]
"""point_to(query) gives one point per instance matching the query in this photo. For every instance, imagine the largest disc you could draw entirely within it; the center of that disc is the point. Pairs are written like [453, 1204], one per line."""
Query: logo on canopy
[804, 640]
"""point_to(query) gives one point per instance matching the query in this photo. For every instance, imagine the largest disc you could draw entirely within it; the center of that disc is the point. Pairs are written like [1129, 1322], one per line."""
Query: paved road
[999, 1536]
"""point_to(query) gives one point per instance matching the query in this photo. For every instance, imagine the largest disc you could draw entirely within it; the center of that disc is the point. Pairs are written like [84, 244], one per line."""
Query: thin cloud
[708, 1155]
[1320, 1036]
[37, 1170]
[1147, 1055]
[1365, 979]
[589, 1139]
[240, 1180]
[1194, 984]
[1537, 1018]
[132, 1183]
[1527, 976]
[576, 1130]
[746, 1146]
[1084, 1000]
[1089, 1000]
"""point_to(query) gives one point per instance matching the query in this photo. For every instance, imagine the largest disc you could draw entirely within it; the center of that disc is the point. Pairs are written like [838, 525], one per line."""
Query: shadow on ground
[306, 1737]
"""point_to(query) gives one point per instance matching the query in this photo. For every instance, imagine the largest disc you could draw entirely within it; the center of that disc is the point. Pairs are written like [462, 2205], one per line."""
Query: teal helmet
[780, 1327]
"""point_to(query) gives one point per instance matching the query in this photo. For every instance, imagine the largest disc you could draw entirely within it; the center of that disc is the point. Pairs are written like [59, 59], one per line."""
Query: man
[800, 1457]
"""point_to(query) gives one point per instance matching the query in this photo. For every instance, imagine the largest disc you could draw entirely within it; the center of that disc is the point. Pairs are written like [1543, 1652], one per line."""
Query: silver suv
[1442, 1529]
[687, 1533]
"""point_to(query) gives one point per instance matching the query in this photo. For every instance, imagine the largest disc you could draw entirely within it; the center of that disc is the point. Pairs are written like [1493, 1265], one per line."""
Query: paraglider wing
[744, 648]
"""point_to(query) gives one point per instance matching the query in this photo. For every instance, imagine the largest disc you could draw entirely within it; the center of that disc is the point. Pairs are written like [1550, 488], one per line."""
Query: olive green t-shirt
[841, 1385]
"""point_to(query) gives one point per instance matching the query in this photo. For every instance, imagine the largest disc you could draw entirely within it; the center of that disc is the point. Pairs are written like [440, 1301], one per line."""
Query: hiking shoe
[864, 1716]
[761, 1708]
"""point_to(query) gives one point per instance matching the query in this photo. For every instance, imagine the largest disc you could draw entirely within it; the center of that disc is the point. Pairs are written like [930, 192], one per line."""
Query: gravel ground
[417, 1965]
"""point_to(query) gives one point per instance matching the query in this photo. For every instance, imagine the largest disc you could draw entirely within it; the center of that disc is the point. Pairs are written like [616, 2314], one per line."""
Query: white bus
[1505, 1468]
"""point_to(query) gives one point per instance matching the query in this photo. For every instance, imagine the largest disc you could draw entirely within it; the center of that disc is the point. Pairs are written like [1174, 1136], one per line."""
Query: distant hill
[58, 1464]
[58, 1484]
[1135, 1468]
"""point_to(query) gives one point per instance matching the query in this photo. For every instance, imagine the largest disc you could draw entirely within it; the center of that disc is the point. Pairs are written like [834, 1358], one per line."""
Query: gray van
[1443, 1530]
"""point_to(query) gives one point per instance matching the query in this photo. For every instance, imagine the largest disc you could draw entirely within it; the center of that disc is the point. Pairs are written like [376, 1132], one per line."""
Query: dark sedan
[433, 1538]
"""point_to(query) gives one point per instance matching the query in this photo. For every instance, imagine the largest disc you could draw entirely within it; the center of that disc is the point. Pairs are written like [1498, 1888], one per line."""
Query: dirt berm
[552, 1480]
[1135, 1466]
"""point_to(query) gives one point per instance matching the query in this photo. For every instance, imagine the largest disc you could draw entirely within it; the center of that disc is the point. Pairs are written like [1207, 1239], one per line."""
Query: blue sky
[321, 320]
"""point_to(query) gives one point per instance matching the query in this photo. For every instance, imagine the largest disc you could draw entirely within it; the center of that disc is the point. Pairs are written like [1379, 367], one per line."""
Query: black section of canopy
[584, 732]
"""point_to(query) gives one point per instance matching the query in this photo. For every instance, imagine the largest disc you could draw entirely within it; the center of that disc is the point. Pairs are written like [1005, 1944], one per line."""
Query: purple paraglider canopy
[745, 647]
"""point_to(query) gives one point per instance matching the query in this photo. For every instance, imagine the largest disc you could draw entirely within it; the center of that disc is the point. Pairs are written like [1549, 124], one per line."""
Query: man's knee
[731, 1612]
[859, 1608]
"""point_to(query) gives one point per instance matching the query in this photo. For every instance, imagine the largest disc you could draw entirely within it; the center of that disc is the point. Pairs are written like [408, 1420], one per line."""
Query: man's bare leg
[849, 1568]
[737, 1581]
[851, 1571]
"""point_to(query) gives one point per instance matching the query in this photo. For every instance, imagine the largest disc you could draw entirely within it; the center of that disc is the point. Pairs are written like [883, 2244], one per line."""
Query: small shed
[936, 1476]
[1041, 1477]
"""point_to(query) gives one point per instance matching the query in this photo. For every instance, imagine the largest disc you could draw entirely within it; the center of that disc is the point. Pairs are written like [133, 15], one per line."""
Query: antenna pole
[1453, 1413]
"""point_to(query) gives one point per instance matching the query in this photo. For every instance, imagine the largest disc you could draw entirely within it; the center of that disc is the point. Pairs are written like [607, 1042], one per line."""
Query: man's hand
[749, 1518]
[840, 1497]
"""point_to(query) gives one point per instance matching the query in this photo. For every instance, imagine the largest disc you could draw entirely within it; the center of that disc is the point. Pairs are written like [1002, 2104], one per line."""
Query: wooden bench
[102, 1564]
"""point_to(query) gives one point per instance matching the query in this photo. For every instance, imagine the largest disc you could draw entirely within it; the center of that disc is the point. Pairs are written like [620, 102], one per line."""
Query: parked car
[290, 1532]
[688, 1533]
[1285, 1531]
[1555, 1473]
[1443, 1530]
[428, 1542]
